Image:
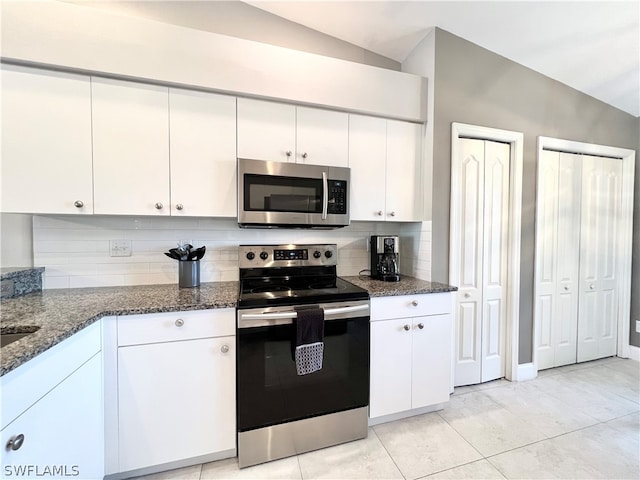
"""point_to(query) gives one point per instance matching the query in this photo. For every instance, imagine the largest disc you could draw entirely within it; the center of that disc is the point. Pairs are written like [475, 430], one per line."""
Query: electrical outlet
[120, 248]
[637, 326]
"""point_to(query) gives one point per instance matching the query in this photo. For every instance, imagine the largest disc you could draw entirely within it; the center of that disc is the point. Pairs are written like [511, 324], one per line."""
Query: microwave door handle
[325, 195]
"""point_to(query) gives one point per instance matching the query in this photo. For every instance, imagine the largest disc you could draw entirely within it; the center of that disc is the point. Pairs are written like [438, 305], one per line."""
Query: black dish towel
[309, 340]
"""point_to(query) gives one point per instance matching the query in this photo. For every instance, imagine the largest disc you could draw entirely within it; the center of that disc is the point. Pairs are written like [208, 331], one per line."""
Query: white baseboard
[526, 371]
[634, 353]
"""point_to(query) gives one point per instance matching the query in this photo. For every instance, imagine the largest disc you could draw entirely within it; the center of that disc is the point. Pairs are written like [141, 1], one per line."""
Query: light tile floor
[580, 421]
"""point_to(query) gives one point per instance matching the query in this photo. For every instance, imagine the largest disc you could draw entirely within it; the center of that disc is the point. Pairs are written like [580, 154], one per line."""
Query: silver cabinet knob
[159, 206]
[592, 286]
[179, 322]
[467, 295]
[224, 348]
[421, 326]
[379, 213]
[305, 155]
[566, 288]
[414, 303]
[288, 153]
[15, 442]
[179, 206]
[406, 327]
[78, 204]
[392, 214]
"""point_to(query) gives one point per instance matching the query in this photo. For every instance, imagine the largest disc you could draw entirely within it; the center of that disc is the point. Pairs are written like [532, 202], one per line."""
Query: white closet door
[568, 253]
[557, 258]
[494, 270]
[597, 326]
[470, 251]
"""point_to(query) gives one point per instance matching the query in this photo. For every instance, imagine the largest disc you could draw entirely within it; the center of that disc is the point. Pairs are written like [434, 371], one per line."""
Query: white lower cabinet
[176, 388]
[61, 435]
[410, 353]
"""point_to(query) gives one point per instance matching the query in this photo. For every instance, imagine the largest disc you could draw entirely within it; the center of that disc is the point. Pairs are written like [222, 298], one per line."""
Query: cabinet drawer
[385, 308]
[172, 326]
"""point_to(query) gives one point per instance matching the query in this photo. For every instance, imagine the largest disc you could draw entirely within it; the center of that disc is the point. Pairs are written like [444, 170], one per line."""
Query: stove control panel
[266, 256]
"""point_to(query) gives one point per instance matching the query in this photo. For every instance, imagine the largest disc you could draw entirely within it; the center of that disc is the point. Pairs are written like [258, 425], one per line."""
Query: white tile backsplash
[75, 249]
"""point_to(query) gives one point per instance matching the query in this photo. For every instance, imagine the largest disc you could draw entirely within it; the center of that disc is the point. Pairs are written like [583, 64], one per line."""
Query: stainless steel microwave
[292, 195]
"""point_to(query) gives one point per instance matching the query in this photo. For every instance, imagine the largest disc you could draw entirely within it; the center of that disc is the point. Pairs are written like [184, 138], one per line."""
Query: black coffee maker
[385, 257]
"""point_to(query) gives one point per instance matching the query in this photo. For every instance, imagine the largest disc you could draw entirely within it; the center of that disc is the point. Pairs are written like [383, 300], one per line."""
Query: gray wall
[634, 338]
[476, 86]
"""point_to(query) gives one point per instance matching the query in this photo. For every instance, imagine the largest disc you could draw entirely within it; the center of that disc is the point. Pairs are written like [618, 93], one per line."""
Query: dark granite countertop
[11, 272]
[406, 286]
[61, 313]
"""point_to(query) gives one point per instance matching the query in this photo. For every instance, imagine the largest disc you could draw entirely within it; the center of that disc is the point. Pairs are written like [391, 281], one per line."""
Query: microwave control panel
[337, 197]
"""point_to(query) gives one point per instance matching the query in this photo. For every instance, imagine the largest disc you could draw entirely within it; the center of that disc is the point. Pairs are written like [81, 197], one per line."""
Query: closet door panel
[494, 274]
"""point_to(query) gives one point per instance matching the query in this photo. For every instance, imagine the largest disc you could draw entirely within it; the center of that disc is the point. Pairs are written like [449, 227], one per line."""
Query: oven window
[270, 391]
[266, 193]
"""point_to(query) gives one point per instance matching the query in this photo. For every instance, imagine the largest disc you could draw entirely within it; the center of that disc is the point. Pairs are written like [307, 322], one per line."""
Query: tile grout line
[388, 452]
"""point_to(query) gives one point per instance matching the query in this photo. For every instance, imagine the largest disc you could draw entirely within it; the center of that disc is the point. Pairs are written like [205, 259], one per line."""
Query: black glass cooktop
[296, 290]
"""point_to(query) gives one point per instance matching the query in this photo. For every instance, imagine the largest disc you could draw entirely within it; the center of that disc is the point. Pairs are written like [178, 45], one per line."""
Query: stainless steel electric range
[280, 411]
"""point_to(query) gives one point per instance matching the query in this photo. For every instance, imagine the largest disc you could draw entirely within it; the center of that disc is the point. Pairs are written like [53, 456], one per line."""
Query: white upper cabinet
[203, 154]
[367, 159]
[266, 130]
[386, 178]
[286, 133]
[322, 137]
[46, 142]
[130, 148]
[404, 177]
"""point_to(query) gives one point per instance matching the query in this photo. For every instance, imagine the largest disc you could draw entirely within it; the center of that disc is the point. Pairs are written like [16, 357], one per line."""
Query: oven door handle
[325, 195]
[281, 315]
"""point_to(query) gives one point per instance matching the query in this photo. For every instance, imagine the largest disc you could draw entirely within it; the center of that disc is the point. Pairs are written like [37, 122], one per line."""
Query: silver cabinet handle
[305, 155]
[224, 348]
[467, 295]
[592, 286]
[179, 322]
[392, 214]
[379, 213]
[179, 206]
[15, 443]
[414, 303]
[159, 206]
[406, 327]
[421, 326]
[288, 153]
[78, 203]
[325, 196]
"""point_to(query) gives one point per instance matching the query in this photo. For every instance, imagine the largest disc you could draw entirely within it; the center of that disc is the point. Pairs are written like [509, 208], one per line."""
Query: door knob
[421, 326]
[467, 295]
[159, 206]
[406, 327]
[179, 206]
[414, 303]
[78, 203]
[179, 322]
[592, 286]
[379, 213]
[566, 288]
[288, 153]
[224, 348]
[392, 214]
[305, 155]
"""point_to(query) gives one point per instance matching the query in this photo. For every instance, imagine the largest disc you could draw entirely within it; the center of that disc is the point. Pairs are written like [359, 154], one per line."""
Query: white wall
[75, 250]
[16, 240]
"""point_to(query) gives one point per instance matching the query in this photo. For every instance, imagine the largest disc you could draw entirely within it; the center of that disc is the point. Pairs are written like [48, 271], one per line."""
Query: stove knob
[264, 255]
[251, 255]
[328, 254]
[317, 254]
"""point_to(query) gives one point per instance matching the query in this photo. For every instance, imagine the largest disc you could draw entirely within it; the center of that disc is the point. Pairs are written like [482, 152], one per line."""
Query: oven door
[274, 194]
[270, 391]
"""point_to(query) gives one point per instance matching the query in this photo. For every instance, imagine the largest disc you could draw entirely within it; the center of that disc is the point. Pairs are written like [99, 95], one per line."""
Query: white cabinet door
[404, 179]
[266, 130]
[367, 160]
[599, 262]
[46, 142]
[390, 367]
[63, 432]
[176, 401]
[431, 360]
[322, 137]
[130, 148]
[202, 153]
